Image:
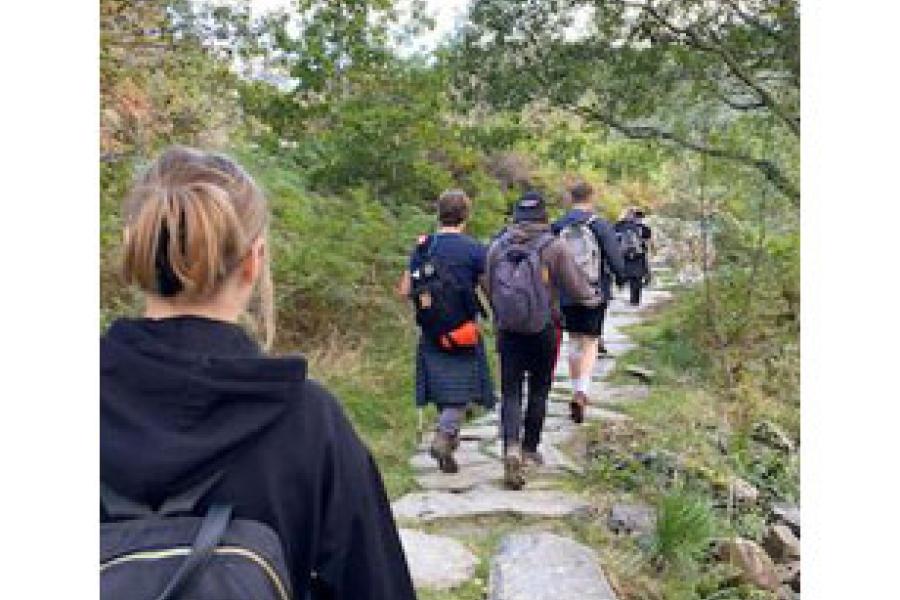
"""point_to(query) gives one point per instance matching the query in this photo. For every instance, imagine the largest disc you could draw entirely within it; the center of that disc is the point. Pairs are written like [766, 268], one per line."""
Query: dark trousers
[635, 285]
[534, 354]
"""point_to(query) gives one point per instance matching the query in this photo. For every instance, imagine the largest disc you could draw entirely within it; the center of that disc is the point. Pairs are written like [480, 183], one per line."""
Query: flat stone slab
[437, 562]
[430, 506]
[468, 477]
[466, 456]
[545, 566]
[555, 460]
[479, 432]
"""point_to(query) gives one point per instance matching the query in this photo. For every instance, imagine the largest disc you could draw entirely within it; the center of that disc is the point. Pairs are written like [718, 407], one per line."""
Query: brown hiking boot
[512, 468]
[532, 458]
[442, 451]
[576, 406]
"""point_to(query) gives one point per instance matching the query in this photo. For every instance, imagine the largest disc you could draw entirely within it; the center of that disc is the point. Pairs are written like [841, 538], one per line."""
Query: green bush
[685, 526]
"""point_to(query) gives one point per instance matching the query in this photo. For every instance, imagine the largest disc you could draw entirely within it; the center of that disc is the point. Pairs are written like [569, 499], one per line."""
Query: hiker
[196, 418]
[526, 268]
[593, 243]
[451, 363]
[634, 239]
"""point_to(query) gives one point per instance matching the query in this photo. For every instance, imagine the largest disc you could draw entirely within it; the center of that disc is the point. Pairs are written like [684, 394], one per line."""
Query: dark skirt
[452, 379]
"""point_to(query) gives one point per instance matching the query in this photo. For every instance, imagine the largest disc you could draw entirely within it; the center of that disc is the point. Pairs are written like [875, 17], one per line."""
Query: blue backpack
[169, 554]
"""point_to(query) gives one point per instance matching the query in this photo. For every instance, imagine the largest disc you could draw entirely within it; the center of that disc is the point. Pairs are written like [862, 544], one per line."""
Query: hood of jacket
[526, 232]
[179, 396]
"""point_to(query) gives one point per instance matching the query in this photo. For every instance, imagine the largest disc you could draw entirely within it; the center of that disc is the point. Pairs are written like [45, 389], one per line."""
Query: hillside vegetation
[690, 120]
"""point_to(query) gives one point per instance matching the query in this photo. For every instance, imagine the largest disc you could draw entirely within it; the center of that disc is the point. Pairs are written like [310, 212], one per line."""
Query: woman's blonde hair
[189, 222]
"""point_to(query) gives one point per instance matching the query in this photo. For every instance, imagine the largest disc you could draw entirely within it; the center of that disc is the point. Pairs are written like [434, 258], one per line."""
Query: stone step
[555, 460]
[468, 477]
[437, 562]
[546, 566]
[484, 501]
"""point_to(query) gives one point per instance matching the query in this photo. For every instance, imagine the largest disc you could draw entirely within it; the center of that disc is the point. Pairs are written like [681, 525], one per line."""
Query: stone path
[532, 564]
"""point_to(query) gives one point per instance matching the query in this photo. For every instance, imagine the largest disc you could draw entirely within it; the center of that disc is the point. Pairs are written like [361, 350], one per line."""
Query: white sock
[585, 384]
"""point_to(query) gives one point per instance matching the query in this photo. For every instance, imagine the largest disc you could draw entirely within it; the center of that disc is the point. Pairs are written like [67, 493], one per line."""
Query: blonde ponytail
[189, 222]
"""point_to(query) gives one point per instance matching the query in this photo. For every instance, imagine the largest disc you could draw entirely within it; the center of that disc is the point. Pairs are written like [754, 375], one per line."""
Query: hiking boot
[576, 407]
[442, 451]
[512, 468]
[532, 458]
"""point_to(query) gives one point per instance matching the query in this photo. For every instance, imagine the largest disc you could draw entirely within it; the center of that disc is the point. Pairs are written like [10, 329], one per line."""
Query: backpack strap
[118, 506]
[208, 537]
[187, 501]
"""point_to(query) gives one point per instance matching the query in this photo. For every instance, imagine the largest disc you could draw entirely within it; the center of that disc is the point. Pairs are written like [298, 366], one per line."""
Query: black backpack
[631, 243]
[442, 303]
[168, 554]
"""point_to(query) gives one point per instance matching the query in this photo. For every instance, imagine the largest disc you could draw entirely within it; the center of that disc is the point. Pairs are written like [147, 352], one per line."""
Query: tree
[710, 77]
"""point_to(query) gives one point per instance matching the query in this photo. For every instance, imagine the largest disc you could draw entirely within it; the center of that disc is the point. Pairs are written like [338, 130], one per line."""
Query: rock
[545, 566]
[437, 562]
[467, 478]
[466, 456]
[429, 506]
[631, 518]
[770, 434]
[555, 460]
[786, 593]
[781, 544]
[789, 514]
[744, 491]
[641, 373]
[479, 432]
[790, 574]
[755, 566]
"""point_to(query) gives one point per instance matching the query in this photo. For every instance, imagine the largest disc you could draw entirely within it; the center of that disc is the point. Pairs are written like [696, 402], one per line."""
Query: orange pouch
[464, 336]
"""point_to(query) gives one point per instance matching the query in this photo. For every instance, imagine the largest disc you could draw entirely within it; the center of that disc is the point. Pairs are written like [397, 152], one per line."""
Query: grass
[685, 525]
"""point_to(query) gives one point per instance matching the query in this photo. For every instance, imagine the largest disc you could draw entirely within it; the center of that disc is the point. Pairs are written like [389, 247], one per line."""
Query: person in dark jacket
[585, 324]
[532, 354]
[186, 392]
[451, 380]
[635, 238]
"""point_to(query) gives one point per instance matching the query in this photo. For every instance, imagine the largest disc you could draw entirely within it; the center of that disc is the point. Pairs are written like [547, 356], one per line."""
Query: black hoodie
[185, 397]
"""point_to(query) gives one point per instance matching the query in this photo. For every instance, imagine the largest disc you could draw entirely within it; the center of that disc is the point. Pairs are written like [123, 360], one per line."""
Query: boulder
[631, 518]
[755, 566]
[781, 544]
[789, 514]
[789, 574]
[545, 566]
[437, 562]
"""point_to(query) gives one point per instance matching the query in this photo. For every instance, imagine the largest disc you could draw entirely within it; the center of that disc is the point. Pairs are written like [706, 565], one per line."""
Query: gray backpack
[170, 554]
[520, 293]
[583, 244]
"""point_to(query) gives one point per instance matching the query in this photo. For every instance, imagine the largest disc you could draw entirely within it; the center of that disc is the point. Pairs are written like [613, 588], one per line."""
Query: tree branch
[716, 47]
[768, 168]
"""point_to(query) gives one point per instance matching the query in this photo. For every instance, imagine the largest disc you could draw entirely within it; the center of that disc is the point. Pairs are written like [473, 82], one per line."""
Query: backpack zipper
[261, 562]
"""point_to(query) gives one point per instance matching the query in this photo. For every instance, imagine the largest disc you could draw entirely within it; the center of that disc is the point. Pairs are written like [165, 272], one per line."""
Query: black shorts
[584, 320]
